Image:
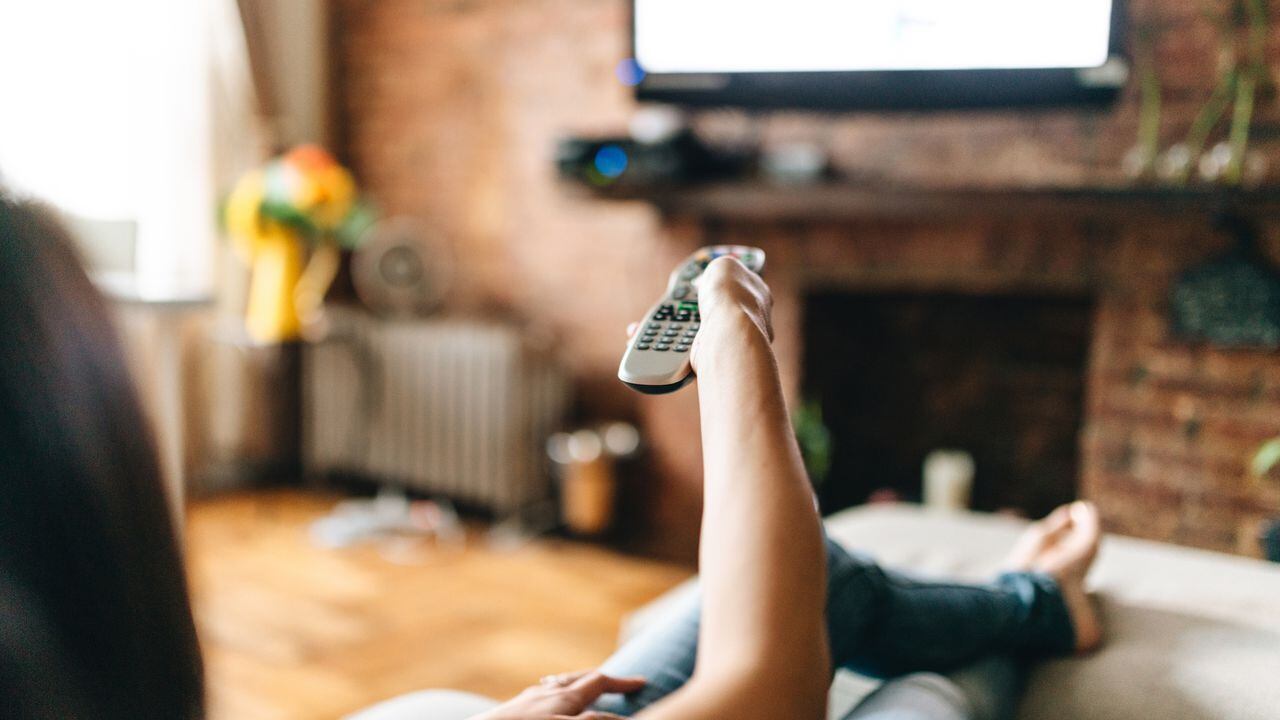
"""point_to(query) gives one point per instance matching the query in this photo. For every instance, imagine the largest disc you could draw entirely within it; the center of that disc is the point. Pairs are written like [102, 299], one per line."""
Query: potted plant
[1264, 460]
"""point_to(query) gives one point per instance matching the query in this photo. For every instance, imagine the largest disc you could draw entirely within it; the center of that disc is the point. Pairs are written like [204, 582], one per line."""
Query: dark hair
[94, 615]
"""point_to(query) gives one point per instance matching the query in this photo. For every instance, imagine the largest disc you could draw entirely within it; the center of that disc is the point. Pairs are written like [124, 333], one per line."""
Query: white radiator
[452, 408]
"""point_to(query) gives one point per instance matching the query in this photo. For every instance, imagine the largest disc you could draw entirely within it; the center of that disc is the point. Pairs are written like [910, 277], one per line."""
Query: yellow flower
[244, 223]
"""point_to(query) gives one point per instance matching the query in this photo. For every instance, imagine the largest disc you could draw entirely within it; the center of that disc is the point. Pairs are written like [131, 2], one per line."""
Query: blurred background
[374, 262]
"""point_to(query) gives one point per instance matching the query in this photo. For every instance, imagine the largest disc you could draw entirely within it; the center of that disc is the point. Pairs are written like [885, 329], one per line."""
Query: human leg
[663, 654]
[985, 690]
[885, 624]
[874, 626]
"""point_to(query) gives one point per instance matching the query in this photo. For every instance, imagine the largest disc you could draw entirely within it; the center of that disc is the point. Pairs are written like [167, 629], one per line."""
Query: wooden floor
[294, 631]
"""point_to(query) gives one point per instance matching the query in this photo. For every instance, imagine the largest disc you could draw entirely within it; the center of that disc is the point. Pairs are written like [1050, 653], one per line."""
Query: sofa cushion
[427, 705]
[1190, 634]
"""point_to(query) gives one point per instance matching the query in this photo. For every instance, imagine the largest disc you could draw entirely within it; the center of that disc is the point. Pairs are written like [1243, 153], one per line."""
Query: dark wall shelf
[851, 201]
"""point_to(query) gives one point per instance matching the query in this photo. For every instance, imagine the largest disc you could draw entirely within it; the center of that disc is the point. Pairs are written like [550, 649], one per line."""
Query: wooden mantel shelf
[851, 201]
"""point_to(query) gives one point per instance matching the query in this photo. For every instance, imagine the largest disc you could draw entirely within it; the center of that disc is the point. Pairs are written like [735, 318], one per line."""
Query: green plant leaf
[351, 231]
[814, 439]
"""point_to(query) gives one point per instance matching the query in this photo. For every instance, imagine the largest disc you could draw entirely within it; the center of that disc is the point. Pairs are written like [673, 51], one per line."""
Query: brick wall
[1168, 426]
[449, 111]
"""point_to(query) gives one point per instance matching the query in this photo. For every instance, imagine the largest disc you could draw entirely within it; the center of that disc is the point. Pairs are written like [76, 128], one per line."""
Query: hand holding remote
[658, 357]
[736, 305]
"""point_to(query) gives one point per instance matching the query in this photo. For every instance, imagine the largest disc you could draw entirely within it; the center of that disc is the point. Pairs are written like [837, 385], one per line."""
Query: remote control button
[689, 336]
[681, 291]
[675, 326]
[666, 307]
[651, 331]
[695, 326]
[682, 348]
[662, 348]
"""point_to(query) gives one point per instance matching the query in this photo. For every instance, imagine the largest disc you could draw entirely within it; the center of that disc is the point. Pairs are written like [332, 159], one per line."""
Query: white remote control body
[657, 358]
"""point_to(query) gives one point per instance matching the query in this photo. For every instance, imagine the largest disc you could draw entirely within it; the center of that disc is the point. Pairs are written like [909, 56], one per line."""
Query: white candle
[948, 479]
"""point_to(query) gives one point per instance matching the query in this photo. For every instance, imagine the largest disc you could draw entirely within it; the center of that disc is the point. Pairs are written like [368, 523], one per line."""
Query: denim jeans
[886, 625]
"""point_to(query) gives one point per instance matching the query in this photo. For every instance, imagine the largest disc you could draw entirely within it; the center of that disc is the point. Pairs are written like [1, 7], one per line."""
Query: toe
[1079, 546]
[1084, 515]
[1056, 524]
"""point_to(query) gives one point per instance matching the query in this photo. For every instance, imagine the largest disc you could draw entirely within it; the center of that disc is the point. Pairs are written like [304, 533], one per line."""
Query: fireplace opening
[900, 375]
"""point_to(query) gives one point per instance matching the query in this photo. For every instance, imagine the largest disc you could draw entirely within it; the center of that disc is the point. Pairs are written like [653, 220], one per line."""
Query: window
[107, 117]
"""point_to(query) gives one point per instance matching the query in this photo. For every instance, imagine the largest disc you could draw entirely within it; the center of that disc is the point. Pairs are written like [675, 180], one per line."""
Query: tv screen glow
[774, 36]
[878, 54]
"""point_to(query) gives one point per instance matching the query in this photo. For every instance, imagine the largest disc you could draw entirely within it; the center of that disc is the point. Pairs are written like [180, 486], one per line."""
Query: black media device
[877, 54]
[624, 162]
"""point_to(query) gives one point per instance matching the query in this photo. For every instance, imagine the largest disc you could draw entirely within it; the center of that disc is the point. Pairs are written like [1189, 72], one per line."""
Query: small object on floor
[523, 526]
[586, 464]
[407, 531]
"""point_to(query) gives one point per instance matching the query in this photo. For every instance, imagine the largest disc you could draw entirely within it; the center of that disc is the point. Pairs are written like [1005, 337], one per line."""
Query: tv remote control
[657, 358]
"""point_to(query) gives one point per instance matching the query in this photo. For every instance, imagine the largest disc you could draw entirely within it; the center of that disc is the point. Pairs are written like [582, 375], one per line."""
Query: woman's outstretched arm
[762, 644]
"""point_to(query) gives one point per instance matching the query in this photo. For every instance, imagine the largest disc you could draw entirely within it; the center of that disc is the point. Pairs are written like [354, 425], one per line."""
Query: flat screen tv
[877, 54]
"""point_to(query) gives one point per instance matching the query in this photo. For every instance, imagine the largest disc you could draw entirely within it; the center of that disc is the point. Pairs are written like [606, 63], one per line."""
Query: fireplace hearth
[899, 375]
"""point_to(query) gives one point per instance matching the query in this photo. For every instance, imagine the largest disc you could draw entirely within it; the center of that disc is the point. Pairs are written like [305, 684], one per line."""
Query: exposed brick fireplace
[1166, 427]
[899, 375]
[450, 112]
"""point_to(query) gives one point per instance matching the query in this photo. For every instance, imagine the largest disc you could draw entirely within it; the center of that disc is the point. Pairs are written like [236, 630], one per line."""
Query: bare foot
[1063, 546]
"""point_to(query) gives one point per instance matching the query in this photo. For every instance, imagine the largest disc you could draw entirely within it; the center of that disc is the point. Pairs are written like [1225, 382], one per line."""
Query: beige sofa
[1191, 634]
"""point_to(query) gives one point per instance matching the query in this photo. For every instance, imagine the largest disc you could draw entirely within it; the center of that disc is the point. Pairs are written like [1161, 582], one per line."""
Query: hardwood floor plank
[292, 631]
